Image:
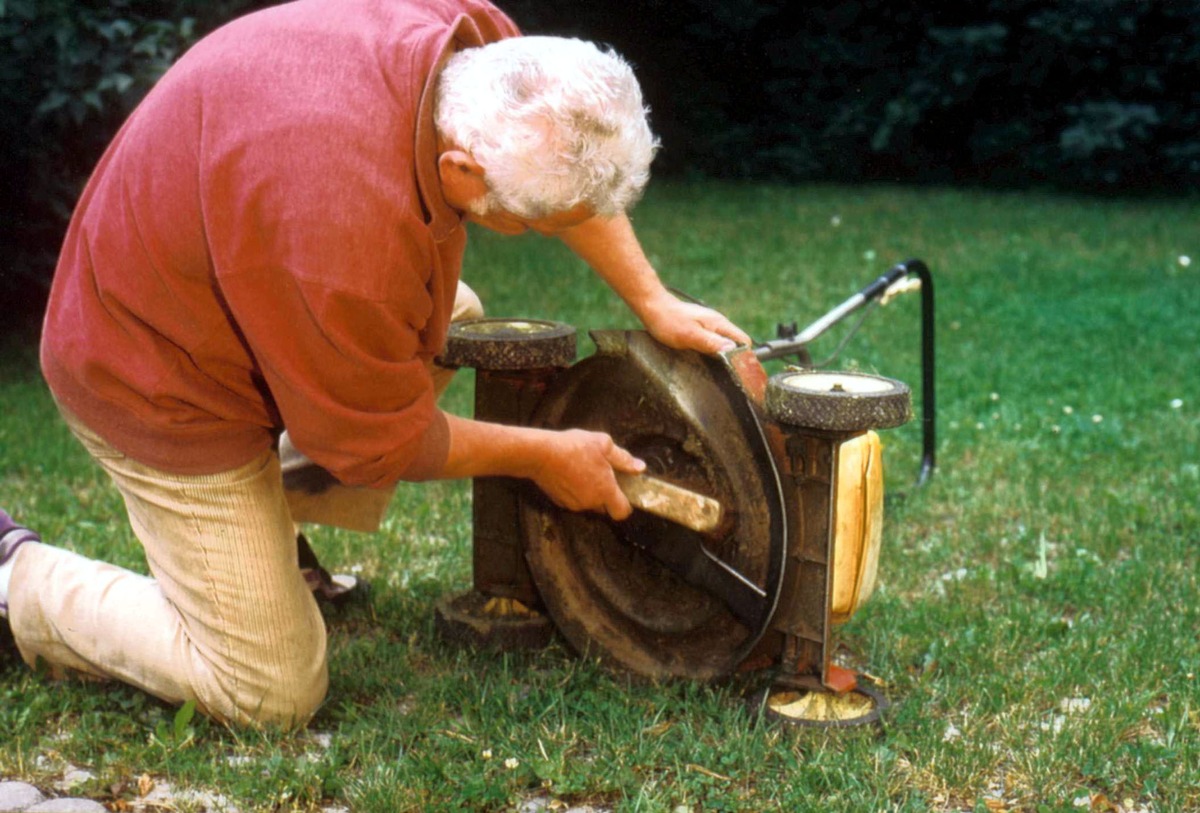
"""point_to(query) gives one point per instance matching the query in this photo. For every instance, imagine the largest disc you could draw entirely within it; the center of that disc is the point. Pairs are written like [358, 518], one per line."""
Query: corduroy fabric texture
[227, 619]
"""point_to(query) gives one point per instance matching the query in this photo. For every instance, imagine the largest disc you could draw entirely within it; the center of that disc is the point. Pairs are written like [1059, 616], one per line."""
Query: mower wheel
[837, 402]
[508, 344]
[491, 623]
[821, 709]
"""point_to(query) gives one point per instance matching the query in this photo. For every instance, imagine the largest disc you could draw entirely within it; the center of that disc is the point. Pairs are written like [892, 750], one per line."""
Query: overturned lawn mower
[758, 520]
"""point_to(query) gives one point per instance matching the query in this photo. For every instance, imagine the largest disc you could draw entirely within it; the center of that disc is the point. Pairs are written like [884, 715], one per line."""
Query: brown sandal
[335, 589]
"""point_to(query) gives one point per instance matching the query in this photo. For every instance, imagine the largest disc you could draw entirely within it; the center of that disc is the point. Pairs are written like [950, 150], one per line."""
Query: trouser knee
[287, 701]
[281, 679]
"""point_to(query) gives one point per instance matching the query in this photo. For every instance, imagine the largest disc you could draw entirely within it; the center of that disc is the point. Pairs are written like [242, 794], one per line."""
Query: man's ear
[462, 179]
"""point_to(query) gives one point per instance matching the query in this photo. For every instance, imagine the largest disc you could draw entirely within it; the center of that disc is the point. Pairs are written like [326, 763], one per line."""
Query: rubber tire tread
[838, 411]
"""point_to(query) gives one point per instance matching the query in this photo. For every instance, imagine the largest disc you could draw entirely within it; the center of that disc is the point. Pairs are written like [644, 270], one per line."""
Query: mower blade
[683, 554]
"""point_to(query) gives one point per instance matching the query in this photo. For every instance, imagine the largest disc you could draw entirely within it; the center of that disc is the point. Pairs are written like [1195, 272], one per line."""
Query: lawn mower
[757, 523]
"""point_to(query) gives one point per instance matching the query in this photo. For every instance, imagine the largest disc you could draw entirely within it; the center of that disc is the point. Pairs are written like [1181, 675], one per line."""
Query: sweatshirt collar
[441, 218]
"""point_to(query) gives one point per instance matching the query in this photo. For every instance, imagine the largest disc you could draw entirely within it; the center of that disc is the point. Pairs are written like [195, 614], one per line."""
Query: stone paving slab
[17, 796]
[67, 806]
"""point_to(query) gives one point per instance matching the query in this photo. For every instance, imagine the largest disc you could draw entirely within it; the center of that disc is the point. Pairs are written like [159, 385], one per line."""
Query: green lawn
[1037, 622]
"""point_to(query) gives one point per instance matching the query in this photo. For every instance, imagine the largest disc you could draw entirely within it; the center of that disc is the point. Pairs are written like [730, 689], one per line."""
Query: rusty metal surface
[646, 594]
[470, 618]
[507, 397]
[803, 617]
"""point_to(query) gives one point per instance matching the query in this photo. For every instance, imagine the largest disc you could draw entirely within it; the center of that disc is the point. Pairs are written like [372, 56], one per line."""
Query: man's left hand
[610, 247]
[688, 326]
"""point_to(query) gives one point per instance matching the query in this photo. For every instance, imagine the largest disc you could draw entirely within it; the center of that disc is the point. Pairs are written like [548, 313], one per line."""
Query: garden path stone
[17, 796]
[67, 806]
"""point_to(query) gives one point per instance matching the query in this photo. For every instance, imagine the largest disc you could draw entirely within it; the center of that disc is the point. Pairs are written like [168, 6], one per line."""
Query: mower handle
[779, 348]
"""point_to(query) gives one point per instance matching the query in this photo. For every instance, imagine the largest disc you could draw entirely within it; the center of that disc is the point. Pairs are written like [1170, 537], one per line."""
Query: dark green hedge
[70, 72]
[1095, 94]
[1083, 94]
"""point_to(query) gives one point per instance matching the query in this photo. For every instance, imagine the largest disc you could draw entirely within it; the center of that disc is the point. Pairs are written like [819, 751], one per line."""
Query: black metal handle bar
[928, 405]
[779, 348]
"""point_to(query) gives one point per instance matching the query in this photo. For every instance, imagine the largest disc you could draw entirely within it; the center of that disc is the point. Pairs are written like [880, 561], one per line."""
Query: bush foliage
[72, 71]
[1092, 94]
[1079, 93]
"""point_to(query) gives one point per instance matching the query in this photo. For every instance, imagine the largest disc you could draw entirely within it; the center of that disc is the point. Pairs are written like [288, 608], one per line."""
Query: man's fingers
[734, 332]
[712, 332]
[719, 342]
[622, 460]
[618, 506]
[721, 325]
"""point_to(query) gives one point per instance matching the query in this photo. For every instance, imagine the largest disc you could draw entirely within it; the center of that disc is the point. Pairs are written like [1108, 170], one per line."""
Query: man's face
[504, 222]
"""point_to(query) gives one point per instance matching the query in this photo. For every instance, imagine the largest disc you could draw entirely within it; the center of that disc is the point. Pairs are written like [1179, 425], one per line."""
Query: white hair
[554, 123]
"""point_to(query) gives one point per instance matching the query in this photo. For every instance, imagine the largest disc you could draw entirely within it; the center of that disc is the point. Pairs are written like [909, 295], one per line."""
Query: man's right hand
[575, 467]
[577, 471]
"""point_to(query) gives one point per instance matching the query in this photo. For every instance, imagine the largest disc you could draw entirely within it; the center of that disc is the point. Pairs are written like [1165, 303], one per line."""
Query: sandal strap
[13, 538]
[320, 582]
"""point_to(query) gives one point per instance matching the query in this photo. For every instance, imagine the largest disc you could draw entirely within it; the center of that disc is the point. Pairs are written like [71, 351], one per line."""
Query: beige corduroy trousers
[225, 617]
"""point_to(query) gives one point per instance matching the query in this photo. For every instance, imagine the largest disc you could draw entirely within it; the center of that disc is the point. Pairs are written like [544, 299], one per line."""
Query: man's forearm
[574, 467]
[479, 449]
[611, 248]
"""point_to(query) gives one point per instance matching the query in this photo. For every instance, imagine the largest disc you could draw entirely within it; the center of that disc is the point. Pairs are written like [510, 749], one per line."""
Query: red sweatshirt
[265, 244]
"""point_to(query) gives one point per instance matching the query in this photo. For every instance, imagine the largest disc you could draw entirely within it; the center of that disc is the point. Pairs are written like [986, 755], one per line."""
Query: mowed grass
[1037, 623]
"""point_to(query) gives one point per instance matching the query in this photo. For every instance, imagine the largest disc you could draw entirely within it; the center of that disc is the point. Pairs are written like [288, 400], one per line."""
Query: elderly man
[274, 240]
